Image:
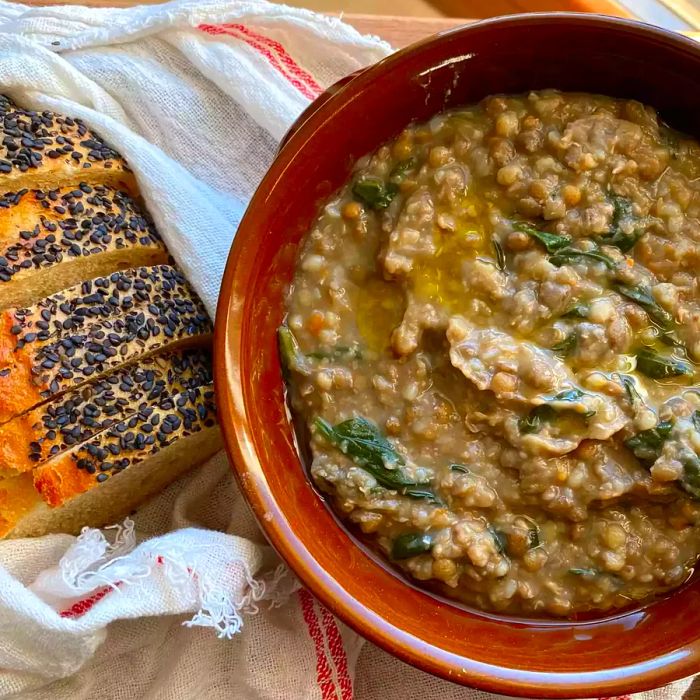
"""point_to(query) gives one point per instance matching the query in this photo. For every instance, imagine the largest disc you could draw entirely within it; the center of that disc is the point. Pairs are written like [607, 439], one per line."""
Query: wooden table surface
[401, 31]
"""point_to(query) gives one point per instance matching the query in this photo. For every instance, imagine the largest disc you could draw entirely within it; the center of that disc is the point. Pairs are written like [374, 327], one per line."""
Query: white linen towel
[187, 601]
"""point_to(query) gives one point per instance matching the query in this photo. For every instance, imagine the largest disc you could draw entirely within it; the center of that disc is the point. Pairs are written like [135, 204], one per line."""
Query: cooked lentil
[493, 335]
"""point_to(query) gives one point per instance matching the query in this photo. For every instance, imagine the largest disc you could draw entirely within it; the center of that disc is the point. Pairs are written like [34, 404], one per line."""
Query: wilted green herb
[656, 366]
[567, 346]
[577, 311]
[647, 444]
[566, 255]
[642, 295]
[374, 193]
[696, 420]
[630, 388]
[293, 359]
[500, 254]
[584, 572]
[402, 169]
[459, 468]
[339, 352]
[622, 209]
[500, 539]
[411, 544]
[668, 338]
[368, 448]
[532, 422]
[551, 241]
[571, 396]
[424, 495]
[690, 480]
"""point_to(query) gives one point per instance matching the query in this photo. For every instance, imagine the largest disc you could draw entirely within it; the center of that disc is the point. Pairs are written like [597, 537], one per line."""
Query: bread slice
[103, 398]
[104, 478]
[53, 239]
[30, 439]
[43, 150]
[80, 334]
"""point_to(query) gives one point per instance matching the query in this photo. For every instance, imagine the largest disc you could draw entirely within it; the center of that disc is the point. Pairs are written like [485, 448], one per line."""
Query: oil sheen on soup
[493, 335]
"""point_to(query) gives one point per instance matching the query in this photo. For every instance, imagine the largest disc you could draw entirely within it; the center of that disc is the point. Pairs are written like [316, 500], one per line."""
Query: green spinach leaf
[656, 366]
[532, 422]
[552, 242]
[584, 572]
[690, 480]
[402, 169]
[411, 544]
[647, 445]
[622, 209]
[567, 255]
[459, 468]
[572, 396]
[500, 539]
[423, 495]
[668, 338]
[577, 311]
[361, 440]
[628, 384]
[566, 346]
[291, 356]
[642, 296]
[374, 193]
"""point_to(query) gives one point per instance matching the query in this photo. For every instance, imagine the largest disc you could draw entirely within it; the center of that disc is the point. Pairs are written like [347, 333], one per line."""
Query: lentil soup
[493, 335]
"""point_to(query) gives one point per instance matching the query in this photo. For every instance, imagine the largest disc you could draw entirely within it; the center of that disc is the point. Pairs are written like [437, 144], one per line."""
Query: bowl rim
[236, 430]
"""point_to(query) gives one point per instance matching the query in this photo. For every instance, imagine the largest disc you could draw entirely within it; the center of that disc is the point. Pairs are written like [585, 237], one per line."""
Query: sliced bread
[53, 239]
[80, 334]
[105, 384]
[99, 480]
[31, 438]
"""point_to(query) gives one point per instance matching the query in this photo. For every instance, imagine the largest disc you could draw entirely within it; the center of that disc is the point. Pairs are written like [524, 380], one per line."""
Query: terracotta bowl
[616, 654]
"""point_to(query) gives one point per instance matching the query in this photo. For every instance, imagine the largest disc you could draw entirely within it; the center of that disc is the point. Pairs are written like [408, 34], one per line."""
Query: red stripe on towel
[324, 677]
[337, 649]
[293, 67]
[272, 58]
[82, 606]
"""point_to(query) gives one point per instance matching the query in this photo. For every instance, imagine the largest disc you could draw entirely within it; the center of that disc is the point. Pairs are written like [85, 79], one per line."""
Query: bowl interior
[620, 653]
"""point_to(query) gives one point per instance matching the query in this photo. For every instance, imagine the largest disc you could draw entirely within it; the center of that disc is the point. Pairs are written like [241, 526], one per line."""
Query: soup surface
[493, 335]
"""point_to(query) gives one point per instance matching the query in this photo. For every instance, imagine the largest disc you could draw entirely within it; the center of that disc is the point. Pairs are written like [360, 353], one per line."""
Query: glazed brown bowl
[615, 654]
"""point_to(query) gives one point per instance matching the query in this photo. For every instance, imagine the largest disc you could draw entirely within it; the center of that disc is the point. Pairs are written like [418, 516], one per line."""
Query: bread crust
[63, 236]
[17, 498]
